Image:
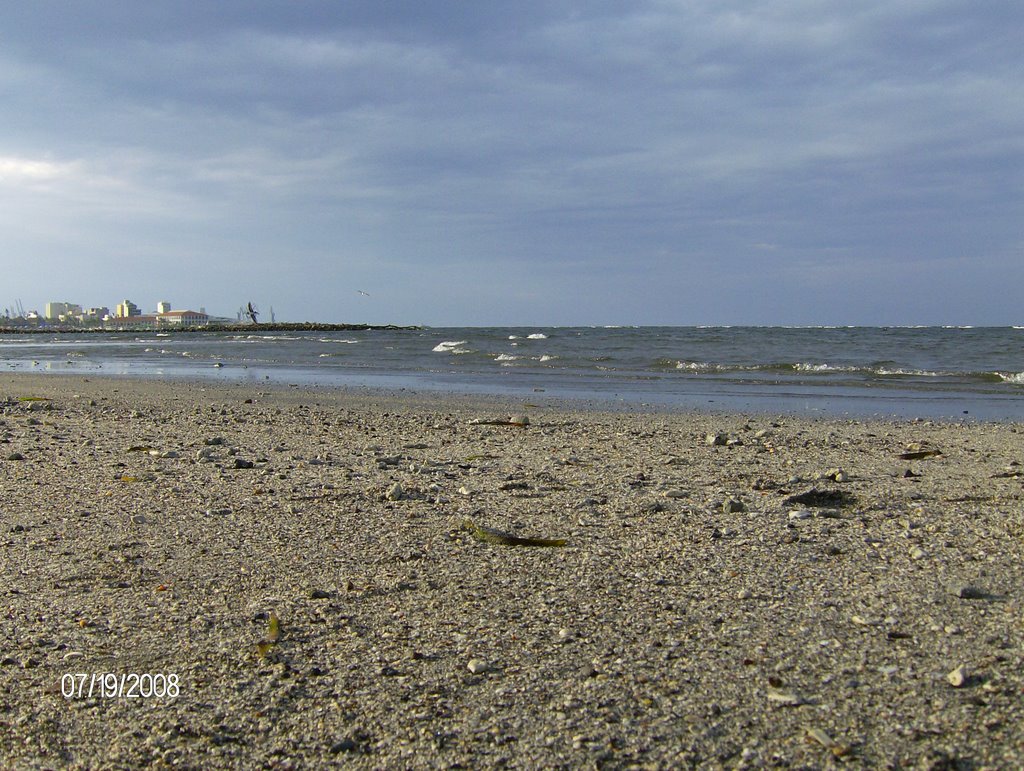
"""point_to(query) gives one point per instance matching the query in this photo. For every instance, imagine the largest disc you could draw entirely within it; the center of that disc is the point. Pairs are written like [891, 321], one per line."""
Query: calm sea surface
[859, 371]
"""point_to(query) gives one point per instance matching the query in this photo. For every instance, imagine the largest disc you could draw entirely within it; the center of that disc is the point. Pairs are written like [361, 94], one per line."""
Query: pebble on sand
[958, 677]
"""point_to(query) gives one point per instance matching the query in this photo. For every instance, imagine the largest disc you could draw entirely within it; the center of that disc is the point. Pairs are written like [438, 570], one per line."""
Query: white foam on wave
[888, 372]
[537, 336]
[448, 346]
[506, 357]
[807, 367]
[452, 346]
[1017, 378]
[697, 366]
[546, 357]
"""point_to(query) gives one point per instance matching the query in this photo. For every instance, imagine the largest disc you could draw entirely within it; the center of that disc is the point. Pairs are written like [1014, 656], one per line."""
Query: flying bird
[364, 294]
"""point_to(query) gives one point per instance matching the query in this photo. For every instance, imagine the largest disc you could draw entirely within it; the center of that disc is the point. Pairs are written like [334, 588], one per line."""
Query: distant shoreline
[305, 326]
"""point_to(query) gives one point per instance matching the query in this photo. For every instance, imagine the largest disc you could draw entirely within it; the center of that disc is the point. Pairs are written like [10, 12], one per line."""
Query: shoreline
[735, 589]
[942, 407]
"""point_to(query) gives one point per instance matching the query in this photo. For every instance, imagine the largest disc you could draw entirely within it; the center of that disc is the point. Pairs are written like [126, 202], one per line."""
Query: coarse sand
[247, 576]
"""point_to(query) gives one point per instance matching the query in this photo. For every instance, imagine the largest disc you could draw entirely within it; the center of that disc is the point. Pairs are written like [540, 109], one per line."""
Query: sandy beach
[289, 579]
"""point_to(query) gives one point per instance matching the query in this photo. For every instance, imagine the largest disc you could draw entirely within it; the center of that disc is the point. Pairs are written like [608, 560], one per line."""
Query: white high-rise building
[56, 310]
[163, 307]
[127, 309]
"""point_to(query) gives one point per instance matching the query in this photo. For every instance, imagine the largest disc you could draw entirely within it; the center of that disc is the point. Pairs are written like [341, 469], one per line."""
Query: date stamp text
[99, 685]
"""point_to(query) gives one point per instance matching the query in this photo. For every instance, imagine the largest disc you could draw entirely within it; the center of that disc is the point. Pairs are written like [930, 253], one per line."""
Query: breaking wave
[451, 346]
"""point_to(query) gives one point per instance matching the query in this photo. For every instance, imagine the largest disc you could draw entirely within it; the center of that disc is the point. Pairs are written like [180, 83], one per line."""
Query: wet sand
[734, 590]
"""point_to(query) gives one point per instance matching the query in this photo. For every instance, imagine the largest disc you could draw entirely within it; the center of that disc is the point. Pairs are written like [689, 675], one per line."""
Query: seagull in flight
[364, 294]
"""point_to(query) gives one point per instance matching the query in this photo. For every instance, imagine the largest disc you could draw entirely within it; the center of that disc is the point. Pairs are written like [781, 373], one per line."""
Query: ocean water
[934, 372]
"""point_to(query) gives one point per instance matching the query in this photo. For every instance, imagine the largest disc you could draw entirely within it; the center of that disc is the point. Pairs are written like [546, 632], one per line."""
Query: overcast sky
[555, 162]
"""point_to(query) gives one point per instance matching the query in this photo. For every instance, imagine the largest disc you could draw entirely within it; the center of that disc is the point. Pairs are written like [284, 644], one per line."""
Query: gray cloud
[664, 162]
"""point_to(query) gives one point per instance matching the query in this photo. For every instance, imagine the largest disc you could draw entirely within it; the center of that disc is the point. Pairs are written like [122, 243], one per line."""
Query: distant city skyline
[67, 312]
[18, 308]
[789, 163]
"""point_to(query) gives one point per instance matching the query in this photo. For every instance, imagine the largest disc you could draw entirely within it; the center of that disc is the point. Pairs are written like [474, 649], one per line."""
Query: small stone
[744, 594]
[345, 745]
[139, 519]
[815, 498]
[917, 553]
[958, 677]
[800, 514]
[477, 666]
[716, 440]
[15, 456]
[732, 505]
[967, 592]
[320, 594]
[519, 420]
[242, 463]
[394, 492]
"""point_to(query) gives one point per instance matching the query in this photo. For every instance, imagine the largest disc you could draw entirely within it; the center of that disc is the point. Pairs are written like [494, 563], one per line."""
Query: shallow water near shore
[928, 372]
